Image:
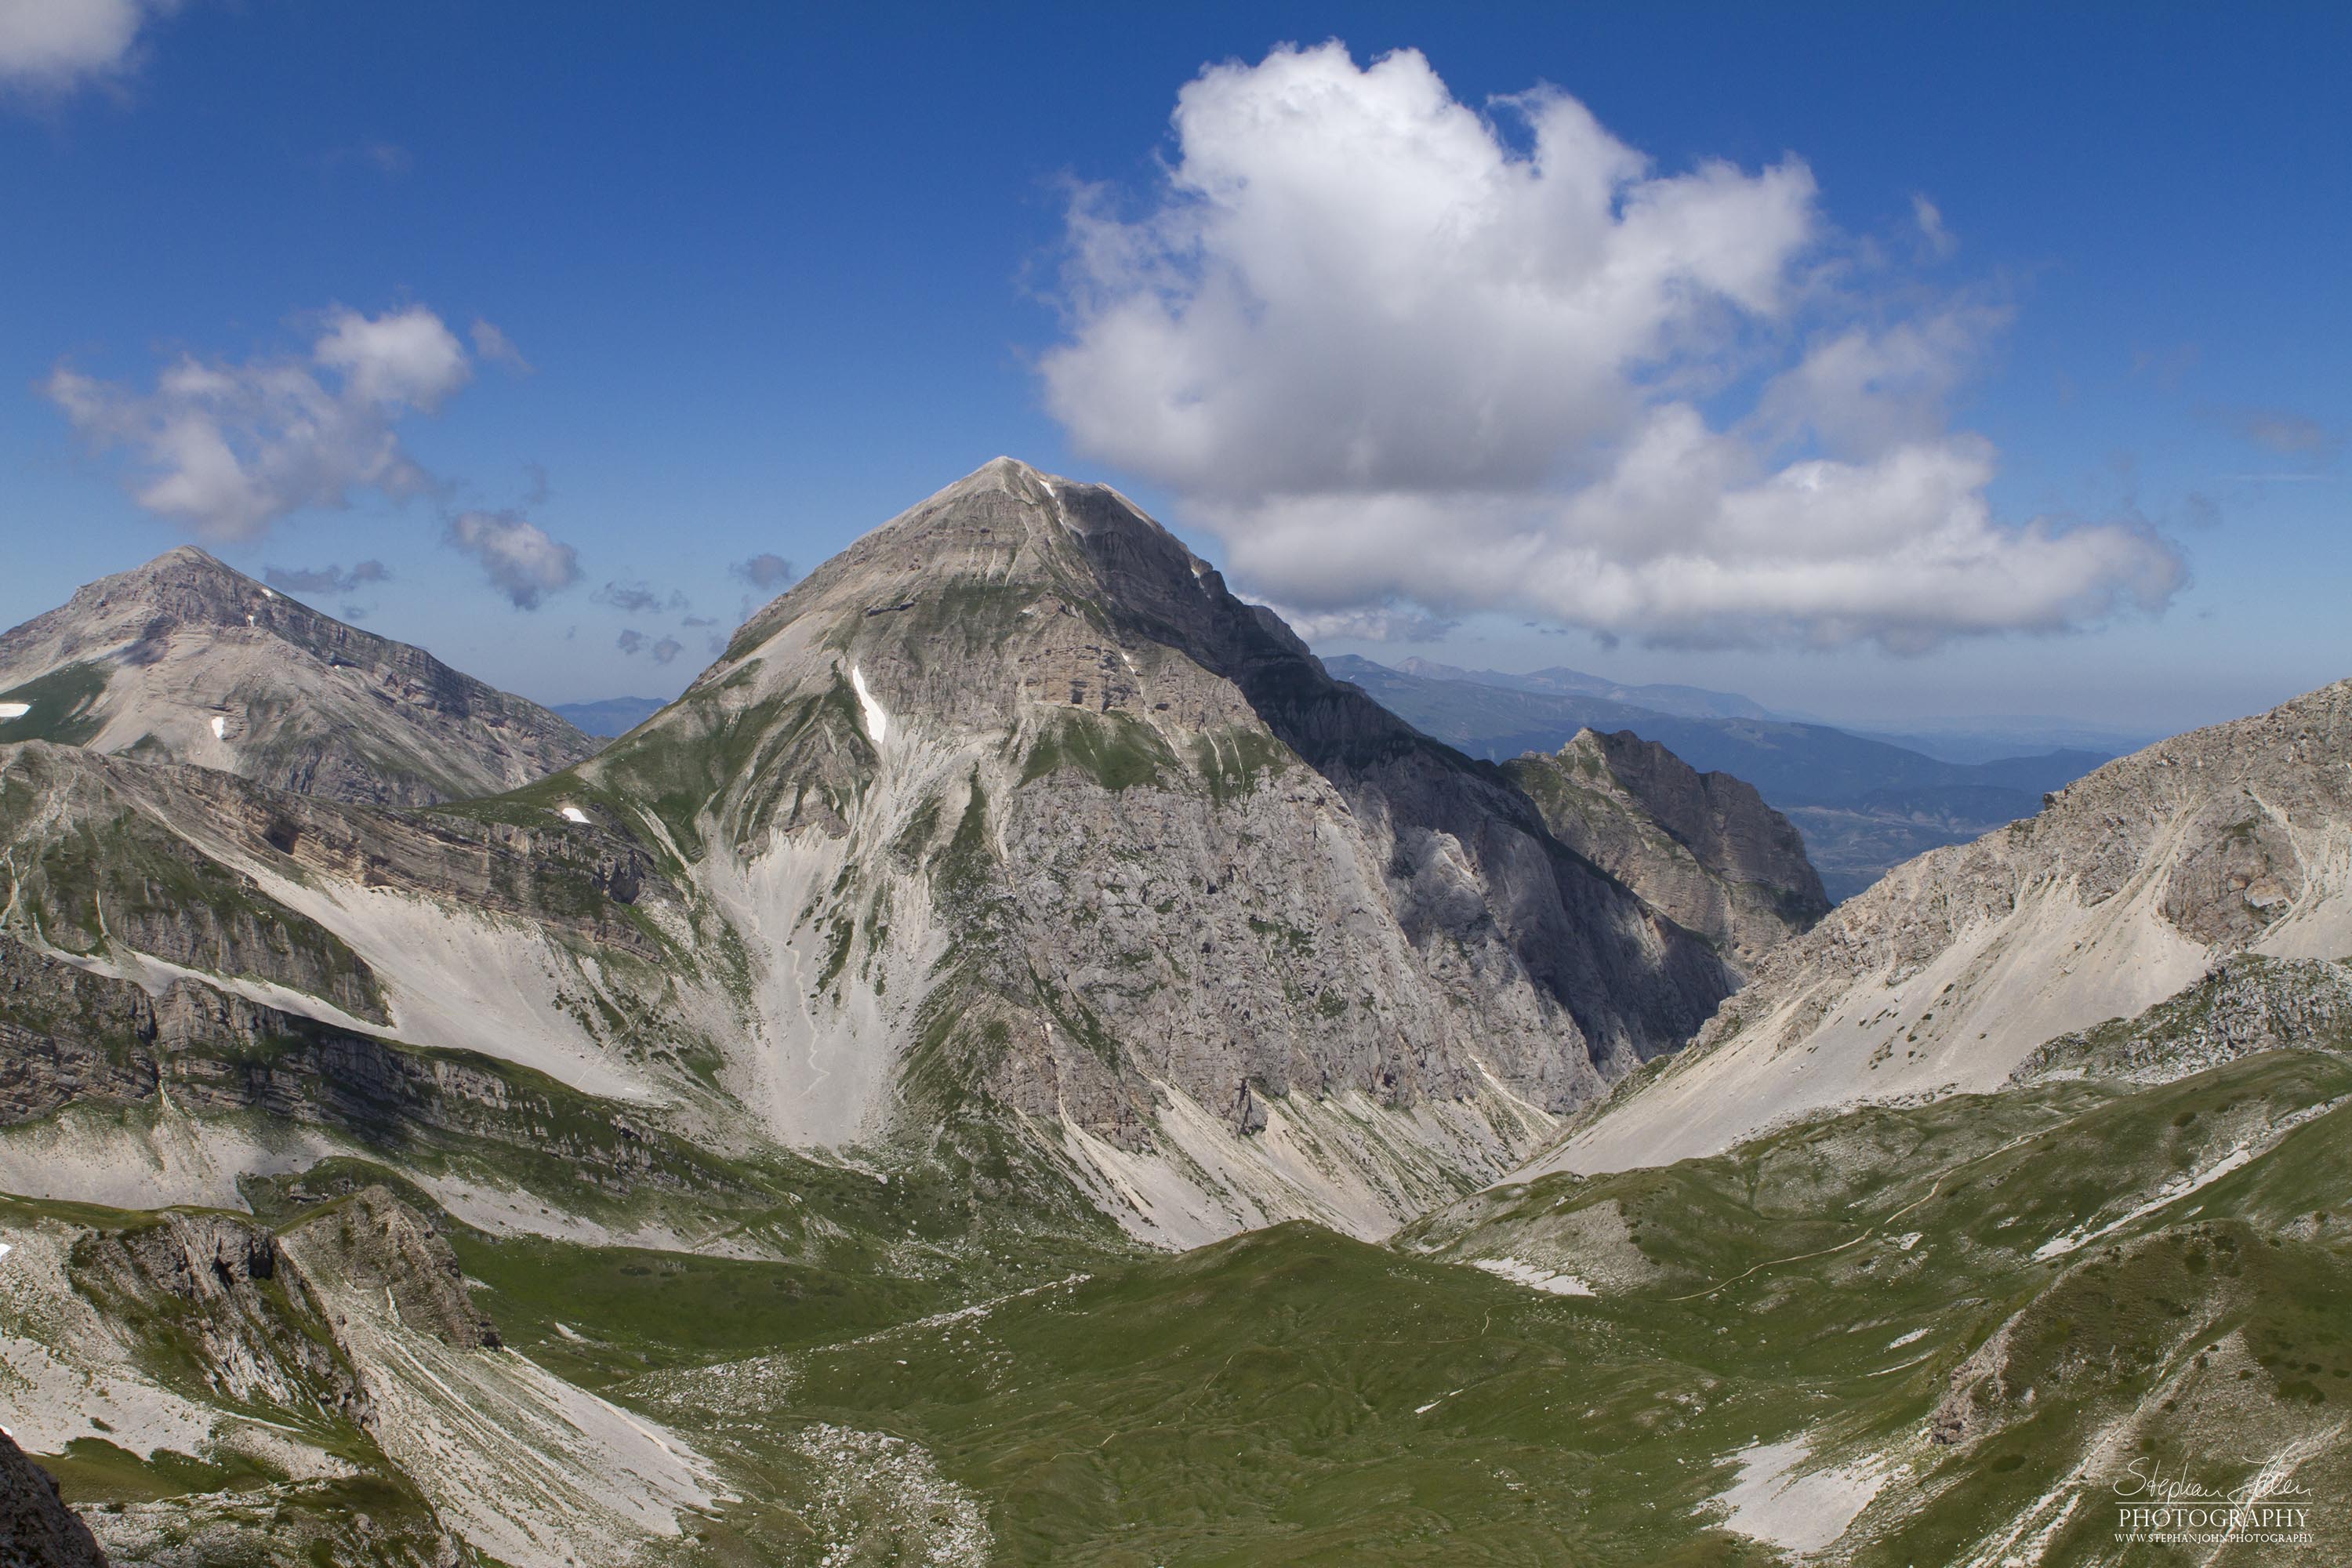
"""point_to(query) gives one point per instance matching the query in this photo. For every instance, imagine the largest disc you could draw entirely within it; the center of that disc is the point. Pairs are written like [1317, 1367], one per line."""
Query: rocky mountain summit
[1702, 847]
[183, 660]
[2129, 887]
[1014, 798]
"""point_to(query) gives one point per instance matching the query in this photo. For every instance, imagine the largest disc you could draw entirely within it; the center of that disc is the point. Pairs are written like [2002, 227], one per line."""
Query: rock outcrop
[377, 1242]
[36, 1528]
[1703, 847]
[183, 660]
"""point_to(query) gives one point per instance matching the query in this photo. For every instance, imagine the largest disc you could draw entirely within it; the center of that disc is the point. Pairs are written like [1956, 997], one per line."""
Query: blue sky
[767, 278]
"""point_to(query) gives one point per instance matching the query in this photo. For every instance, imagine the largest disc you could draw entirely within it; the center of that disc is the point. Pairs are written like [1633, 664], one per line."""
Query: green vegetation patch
[1115, 750]
[58, 706]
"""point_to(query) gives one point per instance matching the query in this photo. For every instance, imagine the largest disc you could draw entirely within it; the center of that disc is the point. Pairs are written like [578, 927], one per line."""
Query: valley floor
[1955, 1333]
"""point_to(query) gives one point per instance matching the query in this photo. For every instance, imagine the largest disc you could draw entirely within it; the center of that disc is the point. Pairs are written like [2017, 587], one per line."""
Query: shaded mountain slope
[2127, 888]
[1703, 847]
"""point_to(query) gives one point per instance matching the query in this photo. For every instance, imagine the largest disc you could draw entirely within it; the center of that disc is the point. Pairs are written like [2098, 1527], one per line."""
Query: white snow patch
[1533, 1277]
[878, 720]
[1425, 1409]
[220, 728]
[1912, 1337]
[572, 814]
[1801, 1513]
[14, 710]
[2059, 1245]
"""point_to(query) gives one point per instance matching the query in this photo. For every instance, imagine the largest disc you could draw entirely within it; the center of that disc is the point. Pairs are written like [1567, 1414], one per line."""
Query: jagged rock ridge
[1703, 847]
[183, 660]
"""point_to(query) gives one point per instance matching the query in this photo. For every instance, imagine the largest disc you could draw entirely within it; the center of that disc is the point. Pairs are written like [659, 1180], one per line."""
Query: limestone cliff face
[1026, 804]
[1703, 847]
[2131, 884]
[183, 660]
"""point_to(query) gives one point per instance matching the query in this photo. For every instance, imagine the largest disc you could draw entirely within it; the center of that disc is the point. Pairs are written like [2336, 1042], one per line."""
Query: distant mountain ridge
[185, 659]
[1864, 805]
[1559, 680]
[608, 716]
[1008, 834]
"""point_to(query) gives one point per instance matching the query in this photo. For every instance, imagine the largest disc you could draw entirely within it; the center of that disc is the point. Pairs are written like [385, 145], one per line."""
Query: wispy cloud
[326, 580]
[227, 448]
[2279, 430]
[1937, 241]
[518, 557]
[1394, 360]
[495, 347]
[764, 570]
[638, 598]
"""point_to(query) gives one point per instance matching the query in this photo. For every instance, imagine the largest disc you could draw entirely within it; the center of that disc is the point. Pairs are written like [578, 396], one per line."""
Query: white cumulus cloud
[230, 447]
[50, 47]
[1403, 357]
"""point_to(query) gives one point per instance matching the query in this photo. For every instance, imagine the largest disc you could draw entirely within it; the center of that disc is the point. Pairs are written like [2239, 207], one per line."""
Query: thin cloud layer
[325, 580]
[228, 449]
[638, 598]
[1404, 367]
[517, 556]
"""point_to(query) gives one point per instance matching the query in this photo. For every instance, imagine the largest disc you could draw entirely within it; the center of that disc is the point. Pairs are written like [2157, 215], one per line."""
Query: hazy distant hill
[1687, 701]
[1862, 805]
[609, 716]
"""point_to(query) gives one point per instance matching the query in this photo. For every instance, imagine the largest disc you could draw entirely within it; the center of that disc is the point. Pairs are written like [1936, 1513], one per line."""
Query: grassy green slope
[1293, 1397]
[1974, 1297]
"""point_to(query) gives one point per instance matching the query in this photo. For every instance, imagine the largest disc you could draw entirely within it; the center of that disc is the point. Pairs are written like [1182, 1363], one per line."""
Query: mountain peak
[184, 659]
